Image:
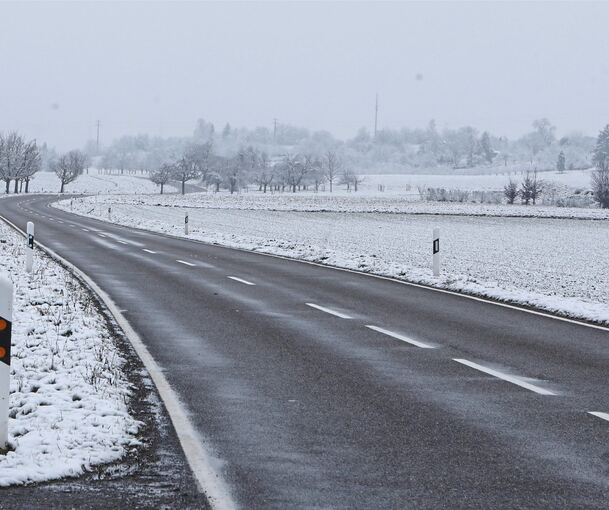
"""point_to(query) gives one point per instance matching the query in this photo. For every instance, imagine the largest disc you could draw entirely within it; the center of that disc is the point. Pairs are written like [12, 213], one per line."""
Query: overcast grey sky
[157, 67]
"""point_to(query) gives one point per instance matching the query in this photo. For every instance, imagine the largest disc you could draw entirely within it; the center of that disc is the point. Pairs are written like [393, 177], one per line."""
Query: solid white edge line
[400, 337]
[328, 310]
[505, 377]
[361, 273]
[240, 280]
[185, 263]
[199, 459]
[148, 251]
[602, 416]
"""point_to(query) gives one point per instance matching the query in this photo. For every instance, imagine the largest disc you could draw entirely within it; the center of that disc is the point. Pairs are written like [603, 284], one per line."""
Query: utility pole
[376, 114]
[274, 129]
[98, 137]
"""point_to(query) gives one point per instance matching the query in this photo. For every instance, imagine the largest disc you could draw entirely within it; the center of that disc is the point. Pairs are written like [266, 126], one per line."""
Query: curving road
[325, 388]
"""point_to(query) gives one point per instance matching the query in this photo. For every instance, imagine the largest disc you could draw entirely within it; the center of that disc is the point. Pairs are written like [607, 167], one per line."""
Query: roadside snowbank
[68, 402]
[559, 265]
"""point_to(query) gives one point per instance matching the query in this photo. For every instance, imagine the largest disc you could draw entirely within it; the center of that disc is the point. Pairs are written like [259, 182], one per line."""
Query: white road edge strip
[602, 416]
[201, 461]
[185, 263]
[401, 337]
[327, 310]
[240, 280]
[148, 251]
[509, 378]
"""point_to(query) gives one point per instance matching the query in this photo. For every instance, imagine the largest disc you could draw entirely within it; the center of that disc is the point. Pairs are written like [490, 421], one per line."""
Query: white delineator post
[29, 249]
[110, 213]
[186, 224]
[6, 320]
[436, 251]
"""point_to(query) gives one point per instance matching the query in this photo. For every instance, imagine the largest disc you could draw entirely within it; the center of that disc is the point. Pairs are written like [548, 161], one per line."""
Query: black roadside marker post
[436, 252]
[29, 249]
[186, 224]
[6, 320]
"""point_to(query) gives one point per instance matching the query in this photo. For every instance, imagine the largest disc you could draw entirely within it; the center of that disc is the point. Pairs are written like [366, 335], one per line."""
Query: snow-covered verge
[94, 182]
[69, 397]
[353, 203]
[559, 265]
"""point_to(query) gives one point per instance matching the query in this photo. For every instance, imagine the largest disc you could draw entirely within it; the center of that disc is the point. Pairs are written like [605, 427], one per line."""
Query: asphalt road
[444, 402]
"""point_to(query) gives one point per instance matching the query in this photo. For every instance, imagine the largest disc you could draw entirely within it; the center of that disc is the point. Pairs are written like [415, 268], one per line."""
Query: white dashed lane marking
[328, 310]
[505, 377]
[240, 280]
[400, 337]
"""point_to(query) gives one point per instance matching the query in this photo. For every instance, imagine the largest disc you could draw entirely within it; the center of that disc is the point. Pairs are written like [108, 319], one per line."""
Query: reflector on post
[6, 323]
[29, 250]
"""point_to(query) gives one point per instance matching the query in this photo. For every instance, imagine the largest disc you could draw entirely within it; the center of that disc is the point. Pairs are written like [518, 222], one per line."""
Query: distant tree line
[403, 150]
[289, 172]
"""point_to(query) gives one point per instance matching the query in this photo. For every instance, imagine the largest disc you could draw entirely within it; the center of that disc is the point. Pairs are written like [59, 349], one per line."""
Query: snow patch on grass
[69, 397]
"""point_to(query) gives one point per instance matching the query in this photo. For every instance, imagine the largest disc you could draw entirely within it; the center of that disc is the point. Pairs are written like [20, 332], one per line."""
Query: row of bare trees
[19, 161]
[250, 165]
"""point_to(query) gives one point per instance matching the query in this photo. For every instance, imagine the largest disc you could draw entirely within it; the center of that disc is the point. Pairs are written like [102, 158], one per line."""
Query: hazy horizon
[157, 67]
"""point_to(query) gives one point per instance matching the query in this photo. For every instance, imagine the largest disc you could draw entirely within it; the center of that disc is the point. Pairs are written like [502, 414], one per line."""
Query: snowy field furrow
[68, 402]
[558, 265]
[323, 202]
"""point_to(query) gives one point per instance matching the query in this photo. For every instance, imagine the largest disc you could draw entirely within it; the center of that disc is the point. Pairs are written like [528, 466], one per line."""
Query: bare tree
[11, 153]
[31, 163]
[600, 186]
[265, 172]
[294, 169]
[186, 168]
[332, 165]
[200, 155]
[69, 167]
[163, 175]
[350, 178]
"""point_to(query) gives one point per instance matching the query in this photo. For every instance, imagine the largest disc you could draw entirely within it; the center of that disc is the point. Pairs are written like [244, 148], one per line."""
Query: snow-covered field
[68, 402]
[360, 203]
[555, 264]
[47, 182]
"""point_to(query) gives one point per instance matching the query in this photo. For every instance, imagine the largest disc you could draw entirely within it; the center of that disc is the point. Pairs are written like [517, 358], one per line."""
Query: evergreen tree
[600, 154]
[560, 163]
[485, 145]
[510, 190]
[600, 177]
